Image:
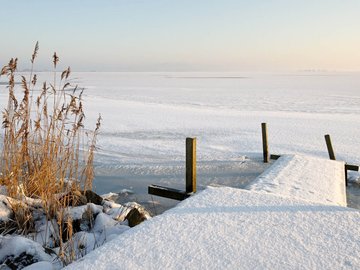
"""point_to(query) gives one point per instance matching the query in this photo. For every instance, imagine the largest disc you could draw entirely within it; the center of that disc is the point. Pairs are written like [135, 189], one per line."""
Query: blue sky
[196, 35]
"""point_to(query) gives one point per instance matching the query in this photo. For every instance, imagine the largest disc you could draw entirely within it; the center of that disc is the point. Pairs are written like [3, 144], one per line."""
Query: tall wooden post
[329, 147]
[190, 165]
[265, 142]
[332, 155]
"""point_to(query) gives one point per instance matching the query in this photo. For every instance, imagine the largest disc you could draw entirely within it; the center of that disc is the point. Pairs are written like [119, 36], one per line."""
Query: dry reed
[43, 155]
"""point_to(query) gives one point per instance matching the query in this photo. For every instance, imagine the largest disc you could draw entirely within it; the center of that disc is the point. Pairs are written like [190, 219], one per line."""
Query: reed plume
[43, 153]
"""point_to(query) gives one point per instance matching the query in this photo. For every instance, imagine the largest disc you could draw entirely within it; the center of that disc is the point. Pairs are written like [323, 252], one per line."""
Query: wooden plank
[169, 193]
[190, 185]
[275, 157]
[350, 167]
[329, 147]
[265, 142]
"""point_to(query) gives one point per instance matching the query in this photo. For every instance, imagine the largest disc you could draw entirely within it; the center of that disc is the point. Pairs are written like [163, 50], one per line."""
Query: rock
[136, 216]
[8, 227]
[74, 198]
[111, 196]
[87, 220]
[78, 198]
[92, 197]
[18, 252]
[20, 261]
[82, 217]
[15, 215]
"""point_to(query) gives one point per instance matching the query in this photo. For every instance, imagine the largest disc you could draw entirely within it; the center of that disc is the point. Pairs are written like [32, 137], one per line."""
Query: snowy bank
[226, 228]
[304, 177]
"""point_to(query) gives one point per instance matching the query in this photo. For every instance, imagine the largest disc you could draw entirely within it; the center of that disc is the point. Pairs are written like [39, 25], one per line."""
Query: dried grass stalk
[43, 154]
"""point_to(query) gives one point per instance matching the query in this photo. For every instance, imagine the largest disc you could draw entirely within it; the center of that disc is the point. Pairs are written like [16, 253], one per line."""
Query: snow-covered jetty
[292, 217]
[303, 177]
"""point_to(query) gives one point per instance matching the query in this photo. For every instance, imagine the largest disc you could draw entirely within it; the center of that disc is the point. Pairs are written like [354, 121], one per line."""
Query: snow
[43, 265]
[227, 228]
[146, 119]
[109, 195]
[77, 212]
[97, 225]
[5, 211]
[147, 116]
[303, 177]
[15, 245]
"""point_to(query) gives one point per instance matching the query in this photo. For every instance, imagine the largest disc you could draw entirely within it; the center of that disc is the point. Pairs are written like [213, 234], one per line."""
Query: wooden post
[190, 165]
[265, 142]
[332, 155]
[190, 181]
[349, 167]
[346, 176]
[329, 147]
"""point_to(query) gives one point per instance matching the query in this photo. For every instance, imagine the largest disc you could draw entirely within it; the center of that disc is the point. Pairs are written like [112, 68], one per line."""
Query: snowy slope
[226, 228]
[303, 177]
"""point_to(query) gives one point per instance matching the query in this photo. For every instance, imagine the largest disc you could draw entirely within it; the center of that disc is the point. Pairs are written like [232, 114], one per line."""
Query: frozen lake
[147, 116]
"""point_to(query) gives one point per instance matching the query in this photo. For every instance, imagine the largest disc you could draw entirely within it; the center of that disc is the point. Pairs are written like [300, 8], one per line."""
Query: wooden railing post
[190, 184]
[329, 147]
[332, 157]
[265, 142]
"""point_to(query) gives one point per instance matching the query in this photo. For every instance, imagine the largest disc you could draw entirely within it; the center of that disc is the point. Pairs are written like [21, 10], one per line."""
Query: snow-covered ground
[226, 228]
[147, 116]
[146, 119]
[286, 220]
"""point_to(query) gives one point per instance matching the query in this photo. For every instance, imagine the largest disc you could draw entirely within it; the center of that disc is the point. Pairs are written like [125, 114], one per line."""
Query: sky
[183, 35]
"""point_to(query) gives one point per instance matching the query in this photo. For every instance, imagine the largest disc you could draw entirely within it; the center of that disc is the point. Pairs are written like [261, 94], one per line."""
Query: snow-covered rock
[78, 211]
[43, 265]
[18, 252]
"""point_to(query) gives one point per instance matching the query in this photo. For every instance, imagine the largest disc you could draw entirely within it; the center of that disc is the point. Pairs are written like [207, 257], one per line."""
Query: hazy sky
[152, 35]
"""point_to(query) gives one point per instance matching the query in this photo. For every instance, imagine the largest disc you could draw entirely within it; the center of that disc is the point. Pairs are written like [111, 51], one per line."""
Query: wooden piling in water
[190, 185]
[329, 147]
[190, 176]
[265, 142]
[348, 167]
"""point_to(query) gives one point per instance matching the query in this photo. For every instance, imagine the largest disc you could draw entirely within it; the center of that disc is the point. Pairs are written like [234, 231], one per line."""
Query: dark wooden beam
[350, 167]
[169, 193]
[275, 157]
